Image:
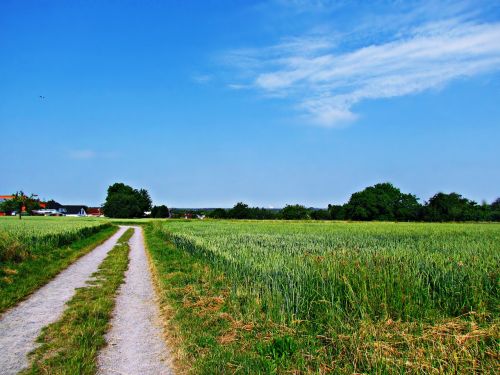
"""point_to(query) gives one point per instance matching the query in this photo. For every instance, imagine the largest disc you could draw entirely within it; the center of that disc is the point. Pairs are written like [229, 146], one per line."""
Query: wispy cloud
[310, 5]
[82, 154]
[202, 78]
[326, 81]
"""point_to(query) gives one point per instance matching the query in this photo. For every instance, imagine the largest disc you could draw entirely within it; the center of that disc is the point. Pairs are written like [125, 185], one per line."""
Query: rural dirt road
[135, 343]
[21, 325]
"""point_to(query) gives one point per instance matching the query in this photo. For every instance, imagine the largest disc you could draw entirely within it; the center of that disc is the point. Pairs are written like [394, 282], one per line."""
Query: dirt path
[135, 343]
[21, 325]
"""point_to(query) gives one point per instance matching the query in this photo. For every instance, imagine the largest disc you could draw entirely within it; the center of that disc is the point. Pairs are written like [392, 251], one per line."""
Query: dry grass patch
[460, 345]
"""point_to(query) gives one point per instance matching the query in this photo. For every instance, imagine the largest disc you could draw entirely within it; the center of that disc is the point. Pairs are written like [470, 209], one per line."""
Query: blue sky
[207, 103]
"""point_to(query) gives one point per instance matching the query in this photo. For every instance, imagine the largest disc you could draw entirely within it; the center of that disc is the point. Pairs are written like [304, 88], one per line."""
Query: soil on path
[22, 324]
[135, 340]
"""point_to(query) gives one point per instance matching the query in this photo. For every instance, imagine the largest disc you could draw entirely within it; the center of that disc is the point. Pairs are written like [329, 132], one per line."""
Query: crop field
[34, 249]
[340, 297]
[38, 232]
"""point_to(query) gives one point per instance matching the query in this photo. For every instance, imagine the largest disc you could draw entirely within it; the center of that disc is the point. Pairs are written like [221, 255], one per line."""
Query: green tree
[123, 201]
[218, 213]
[382, 202]
[294, 212]
[259, 213]
[239, 211]
[145, 201]
[19, 201]
[337, 212]
[483, 212]
[160, 212]
[495, 210]
[320, 215]
[407, 208]
[450, 207]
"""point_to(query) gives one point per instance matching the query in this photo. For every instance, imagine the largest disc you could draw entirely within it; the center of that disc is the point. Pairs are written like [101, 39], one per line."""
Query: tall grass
[21, 238]
[35, 249]
[349, 271]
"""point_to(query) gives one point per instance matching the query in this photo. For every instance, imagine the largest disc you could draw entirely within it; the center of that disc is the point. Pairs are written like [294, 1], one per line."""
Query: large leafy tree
[451, 207]
[496, 204]
[19, 201]
[337, 212]
[240, 211]
[145, 201]
[123, 201]
[294, 212]
[160, 212]
[382, 202]
[495, 210]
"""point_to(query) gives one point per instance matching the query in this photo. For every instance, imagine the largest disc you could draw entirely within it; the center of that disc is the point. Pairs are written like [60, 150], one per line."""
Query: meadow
[35, 249]
[338, 297]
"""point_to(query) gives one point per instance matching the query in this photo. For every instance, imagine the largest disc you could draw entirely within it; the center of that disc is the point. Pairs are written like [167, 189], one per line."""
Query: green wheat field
[351, 297]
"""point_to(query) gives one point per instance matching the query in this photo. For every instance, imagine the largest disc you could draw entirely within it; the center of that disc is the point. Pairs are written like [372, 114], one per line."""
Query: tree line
[383, 202]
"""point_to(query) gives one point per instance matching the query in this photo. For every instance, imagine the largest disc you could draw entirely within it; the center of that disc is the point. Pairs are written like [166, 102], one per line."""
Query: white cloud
[235, 86]
[326, 81]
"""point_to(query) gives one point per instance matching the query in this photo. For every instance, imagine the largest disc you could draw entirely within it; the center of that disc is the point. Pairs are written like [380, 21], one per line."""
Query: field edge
[79, 247]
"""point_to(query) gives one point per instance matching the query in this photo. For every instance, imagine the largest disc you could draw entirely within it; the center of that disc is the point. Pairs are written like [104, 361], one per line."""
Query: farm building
[53, 208]
[95, 211]
[67, 210]
[75, 210]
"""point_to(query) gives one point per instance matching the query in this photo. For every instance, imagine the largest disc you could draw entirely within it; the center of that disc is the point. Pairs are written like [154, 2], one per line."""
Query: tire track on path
[21, 325]
[135, 340]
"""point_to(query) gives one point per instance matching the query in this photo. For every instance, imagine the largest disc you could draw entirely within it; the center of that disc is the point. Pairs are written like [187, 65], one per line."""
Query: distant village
[53, 208]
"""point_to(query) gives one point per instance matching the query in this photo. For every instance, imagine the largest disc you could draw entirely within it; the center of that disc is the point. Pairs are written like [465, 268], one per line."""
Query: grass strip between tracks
[71, 345]
[24, 278]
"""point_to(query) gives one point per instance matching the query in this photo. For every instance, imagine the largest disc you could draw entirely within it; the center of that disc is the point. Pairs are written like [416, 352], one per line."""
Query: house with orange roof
[4, 198]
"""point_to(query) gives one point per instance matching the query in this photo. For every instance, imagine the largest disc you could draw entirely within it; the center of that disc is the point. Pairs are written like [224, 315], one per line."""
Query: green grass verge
[216, 327]
[71, 345]
[19, 279]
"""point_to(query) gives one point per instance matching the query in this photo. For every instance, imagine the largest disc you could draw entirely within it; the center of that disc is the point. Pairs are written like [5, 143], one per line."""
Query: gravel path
[21, 325]
[135, 343]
